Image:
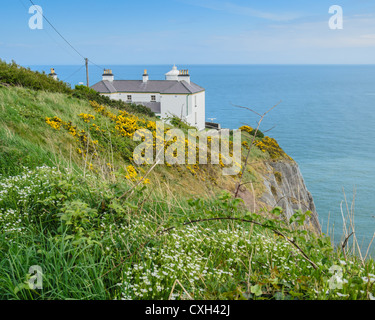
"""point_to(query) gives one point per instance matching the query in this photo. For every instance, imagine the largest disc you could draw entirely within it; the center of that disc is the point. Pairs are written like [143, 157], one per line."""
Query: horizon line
[220, 64]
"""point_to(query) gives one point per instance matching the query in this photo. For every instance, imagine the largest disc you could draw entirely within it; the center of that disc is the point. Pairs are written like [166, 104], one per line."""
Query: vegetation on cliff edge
[73, 202]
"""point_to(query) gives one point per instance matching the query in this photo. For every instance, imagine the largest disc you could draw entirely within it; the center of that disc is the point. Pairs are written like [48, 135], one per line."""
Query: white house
[176, 95]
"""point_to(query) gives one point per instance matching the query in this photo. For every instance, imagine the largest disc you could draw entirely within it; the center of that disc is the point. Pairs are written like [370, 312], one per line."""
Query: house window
[195, 101]
[129, 97]
[196, 117]
[153, 98]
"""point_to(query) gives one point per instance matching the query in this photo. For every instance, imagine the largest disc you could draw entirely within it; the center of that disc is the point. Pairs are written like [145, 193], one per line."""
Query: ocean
[325, 121]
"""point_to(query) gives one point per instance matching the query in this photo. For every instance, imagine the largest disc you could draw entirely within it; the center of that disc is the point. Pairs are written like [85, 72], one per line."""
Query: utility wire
[74, 73]
[50, 36]
[62, 37]
[101, 68]
[58, 31]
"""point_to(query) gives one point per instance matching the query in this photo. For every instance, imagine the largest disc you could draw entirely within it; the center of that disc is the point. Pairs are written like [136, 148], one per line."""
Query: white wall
[187, 105]
[136, 97]
[176, 104]
[197, 112]
[173, 104]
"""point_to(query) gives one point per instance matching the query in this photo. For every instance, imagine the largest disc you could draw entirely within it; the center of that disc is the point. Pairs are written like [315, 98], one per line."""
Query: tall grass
[91, 245]
[157, 242]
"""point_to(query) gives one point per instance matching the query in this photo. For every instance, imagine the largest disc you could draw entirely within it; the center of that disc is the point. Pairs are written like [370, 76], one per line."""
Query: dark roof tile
[151, 86]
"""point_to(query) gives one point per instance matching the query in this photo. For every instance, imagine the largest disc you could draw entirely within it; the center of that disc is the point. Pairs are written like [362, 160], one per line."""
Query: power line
[62, 37]
[101, 68]
[74, 73]
[70, 45]
[49, 35]
[53, 27]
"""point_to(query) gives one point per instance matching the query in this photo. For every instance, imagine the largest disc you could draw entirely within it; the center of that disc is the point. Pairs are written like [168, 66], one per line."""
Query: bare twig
[352, 226]
[291, 241]
[368, 248]
[160, 232]
[247, 109]
[174, 284]
[254, 202]
[344, 245]
[252, 142]
[140, 181]
[264, 131]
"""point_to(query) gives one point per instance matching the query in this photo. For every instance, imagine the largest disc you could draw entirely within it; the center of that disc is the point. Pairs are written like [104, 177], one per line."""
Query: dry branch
[252, 142]
[291, 241]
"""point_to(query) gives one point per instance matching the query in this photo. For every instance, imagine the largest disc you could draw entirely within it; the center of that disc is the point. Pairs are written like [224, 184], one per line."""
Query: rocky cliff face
[282, 186]
[285, 187]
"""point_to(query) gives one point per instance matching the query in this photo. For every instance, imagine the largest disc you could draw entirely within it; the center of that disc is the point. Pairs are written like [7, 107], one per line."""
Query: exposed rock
[249, 198]
[285, 187]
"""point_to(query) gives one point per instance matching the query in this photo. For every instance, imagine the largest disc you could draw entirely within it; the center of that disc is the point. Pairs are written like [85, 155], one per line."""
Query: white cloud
[368, 36]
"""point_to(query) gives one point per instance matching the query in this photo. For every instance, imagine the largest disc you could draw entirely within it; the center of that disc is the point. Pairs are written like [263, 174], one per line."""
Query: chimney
[108, 75]
[184, 75]
[53, 74]
[145, 76]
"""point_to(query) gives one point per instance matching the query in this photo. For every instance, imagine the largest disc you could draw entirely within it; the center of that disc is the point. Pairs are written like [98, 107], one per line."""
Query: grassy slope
[27, 140]
[92, 244]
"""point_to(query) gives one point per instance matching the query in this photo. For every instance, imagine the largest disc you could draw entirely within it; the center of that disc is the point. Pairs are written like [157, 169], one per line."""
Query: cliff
[69, 195]
[285, 187]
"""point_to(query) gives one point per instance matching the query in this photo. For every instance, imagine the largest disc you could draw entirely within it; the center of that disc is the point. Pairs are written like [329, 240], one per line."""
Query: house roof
[151, 86]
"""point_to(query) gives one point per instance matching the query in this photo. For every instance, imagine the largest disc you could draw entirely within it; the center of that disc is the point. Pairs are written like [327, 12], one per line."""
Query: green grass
[15, 75]
[91, 245]
[98, 236]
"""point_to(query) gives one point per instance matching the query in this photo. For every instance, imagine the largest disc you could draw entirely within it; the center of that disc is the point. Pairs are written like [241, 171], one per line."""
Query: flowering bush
[251, 131]
[271, 146]
[86, 117]
[18, 194]
[211, 260]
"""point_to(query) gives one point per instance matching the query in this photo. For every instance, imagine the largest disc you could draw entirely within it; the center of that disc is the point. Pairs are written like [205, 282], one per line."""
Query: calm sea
[326, 122]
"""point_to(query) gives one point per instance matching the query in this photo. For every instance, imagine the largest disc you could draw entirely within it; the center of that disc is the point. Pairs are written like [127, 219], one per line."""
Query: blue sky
[189, 32]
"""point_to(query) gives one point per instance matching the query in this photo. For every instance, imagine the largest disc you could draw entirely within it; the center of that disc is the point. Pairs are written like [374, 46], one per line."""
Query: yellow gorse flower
[80, 135]
[86, 117]
[247, 129]
[271, 146]
[54, 122]
[132, 173]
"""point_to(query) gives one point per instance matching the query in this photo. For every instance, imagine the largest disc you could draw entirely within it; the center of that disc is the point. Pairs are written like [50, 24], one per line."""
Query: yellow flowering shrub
[80, 135]
[86, 117]
[271, 146]
[251, 131]
[127, 124]
[247, 129]
[95, 127]
[54, 122]
[103, 110]
[133, 175]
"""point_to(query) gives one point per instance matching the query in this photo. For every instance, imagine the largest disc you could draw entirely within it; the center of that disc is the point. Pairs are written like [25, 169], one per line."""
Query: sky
[189, 32]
